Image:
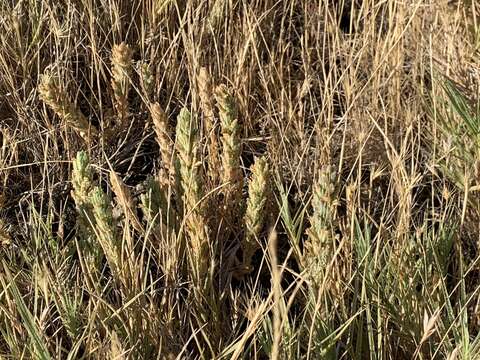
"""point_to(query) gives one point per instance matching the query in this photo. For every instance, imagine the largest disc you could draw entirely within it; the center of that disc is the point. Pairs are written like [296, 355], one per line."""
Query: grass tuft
[239, 179]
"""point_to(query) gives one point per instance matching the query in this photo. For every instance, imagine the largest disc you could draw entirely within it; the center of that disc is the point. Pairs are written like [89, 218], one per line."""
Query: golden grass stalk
[81, 194]
[147, 79]
[116, 348]
[125, 200]
[121, 74]
[164, 140]
[232, 176]
[205, 91]
[161, 217]
[5, 238]
[216, 12]
[105, 230]
[57, 99]
[81, 179]
[319, 243]
[255, 213]
[191, 182]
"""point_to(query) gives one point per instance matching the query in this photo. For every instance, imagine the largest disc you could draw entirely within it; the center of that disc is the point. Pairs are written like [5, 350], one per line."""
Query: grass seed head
[163, 135]
[191, 181]
[255, 212]
[147, 79]
[205, 92]
[319, 242]
[121, 75]
[81, 193]
[81, 179]
[56, 98]
[232, 176]
[105, 229]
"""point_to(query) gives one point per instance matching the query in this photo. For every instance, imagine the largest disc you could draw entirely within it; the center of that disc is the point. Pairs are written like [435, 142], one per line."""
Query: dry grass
[239, 179]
